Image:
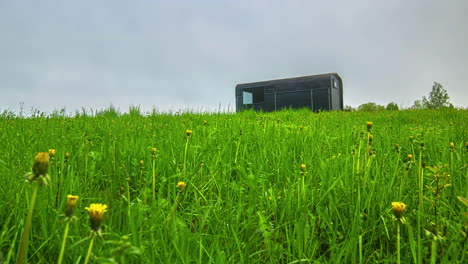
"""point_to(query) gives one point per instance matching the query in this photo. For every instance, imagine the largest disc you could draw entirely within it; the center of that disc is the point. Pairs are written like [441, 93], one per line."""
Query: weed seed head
[96, 213]
[398, 209]
[181, 186]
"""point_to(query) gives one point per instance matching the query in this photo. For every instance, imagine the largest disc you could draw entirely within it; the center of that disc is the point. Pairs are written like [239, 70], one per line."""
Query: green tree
[438, 98]
[418, 104]
[392, 107]
[348, 108]
[371, 107]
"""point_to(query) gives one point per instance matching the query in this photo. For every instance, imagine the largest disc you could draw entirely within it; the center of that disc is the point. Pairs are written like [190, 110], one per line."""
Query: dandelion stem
[64, 242]
[185, 157]
[360, 248]
[420, 205]
[237, 149]
[434, 251]
[398, 242]
[27, 226]
[154, 180]
[451, 174]
[90, 248]
[128, 198]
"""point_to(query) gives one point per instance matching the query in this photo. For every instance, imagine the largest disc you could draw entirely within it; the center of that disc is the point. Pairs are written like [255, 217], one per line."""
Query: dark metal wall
[316, 92]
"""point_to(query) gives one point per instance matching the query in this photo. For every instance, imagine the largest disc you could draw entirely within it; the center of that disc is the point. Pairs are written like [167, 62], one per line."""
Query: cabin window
[253, 95]
[335, 83]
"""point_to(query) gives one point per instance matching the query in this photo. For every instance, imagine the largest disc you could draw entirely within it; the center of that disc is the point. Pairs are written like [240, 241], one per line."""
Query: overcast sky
[190, 54]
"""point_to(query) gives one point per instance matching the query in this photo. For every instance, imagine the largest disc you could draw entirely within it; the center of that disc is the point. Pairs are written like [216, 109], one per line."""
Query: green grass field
[247, 199]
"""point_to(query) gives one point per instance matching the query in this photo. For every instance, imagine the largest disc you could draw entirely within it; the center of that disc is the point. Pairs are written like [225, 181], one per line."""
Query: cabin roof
[300, 78]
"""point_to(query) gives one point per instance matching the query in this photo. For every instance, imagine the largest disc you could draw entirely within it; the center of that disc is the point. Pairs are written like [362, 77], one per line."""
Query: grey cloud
[193, 53]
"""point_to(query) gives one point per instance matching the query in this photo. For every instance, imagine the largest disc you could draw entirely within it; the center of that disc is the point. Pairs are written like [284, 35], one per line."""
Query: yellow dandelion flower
[181, 185]
[96, 213]
[71, 205]
[303, 166]
[51, 152]
[409, 156]
[452, 146]
[188, 132]
[369, 125]
[205, 122]
[398, 209]
[153, 151]
[41, 164]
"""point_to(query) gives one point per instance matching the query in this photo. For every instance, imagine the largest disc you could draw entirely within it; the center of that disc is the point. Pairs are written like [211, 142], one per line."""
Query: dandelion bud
[41, 164]
[411, 139]
[397, 148]
[51, 154]
[398, 209]
[96, 213]
[303, 167]
[67, 156]
[71, 205]
[205, 122]
[188, 132]
[452, 146]
[369, 125]
[371, 138]
[181, 185]
[142, 162]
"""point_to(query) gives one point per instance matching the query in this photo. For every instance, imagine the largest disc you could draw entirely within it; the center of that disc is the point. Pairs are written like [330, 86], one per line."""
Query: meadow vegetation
[282, 187]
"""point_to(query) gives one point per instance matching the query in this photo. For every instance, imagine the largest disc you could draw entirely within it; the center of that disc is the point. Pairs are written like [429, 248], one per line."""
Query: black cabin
[316, 92]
